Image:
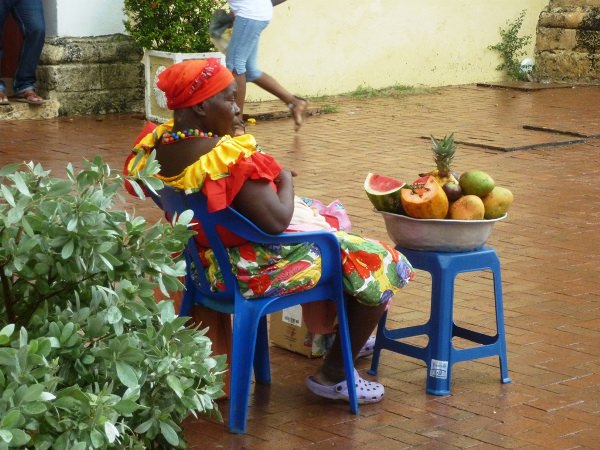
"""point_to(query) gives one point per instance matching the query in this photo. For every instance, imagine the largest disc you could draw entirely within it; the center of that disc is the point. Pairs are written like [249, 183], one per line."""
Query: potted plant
[88, 358]
[169, 31]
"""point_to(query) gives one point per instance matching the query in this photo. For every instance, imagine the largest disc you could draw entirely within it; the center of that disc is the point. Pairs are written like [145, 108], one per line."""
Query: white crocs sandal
[366, 391]
[368, 348]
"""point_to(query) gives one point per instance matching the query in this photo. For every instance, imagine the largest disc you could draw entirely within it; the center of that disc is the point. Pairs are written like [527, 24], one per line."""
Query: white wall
[316, 47]
[331, 46]
[77, 18]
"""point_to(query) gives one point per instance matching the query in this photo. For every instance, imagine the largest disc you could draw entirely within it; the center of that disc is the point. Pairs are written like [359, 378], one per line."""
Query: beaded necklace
[169, 137]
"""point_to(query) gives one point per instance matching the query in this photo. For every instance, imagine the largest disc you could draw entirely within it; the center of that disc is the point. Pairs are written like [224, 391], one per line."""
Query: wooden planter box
[154, 63]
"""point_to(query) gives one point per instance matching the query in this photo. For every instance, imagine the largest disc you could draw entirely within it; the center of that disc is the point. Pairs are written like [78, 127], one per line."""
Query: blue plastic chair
[250, 336]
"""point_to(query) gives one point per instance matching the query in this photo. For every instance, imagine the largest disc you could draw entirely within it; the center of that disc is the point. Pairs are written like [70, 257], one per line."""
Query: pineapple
[443, 153]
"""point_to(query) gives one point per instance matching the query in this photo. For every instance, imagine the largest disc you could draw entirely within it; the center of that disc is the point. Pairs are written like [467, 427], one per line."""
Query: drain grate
[558, 131]
[524, 85]
[513, 148]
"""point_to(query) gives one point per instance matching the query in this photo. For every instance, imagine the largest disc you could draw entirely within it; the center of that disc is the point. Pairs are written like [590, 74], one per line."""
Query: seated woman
[196, 152]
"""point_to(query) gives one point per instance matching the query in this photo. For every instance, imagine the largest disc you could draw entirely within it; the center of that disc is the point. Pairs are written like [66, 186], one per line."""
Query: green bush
[88, 359]
[511, 48]
[171, 25]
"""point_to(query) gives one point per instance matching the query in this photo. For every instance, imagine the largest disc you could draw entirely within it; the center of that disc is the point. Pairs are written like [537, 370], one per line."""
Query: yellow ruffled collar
[214, 164]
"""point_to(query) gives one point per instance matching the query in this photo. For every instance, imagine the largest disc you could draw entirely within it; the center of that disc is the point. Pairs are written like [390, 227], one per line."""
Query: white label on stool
[439, 369]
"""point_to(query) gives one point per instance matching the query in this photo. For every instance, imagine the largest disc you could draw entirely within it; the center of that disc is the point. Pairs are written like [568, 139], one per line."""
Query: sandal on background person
[29, 96]
[366, 391]
[298, 109]
[3, 98]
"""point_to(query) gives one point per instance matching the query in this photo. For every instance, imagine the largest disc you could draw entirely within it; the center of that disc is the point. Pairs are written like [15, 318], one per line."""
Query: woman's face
[222, 112]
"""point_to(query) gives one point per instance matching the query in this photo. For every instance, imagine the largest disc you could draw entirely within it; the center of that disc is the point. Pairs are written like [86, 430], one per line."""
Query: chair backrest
[176, 202]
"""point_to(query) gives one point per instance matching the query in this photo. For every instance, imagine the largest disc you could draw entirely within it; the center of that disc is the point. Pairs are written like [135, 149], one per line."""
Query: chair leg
[245, 330]
[440, 346]
[499, 304]
[344, 336]
[262, 364]
[187, 299]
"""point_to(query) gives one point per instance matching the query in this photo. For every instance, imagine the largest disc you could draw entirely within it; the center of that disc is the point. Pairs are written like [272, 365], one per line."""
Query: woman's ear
[200, 109]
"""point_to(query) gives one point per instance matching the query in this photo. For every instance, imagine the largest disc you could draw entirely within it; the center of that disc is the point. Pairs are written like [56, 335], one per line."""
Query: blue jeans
[29, 16]
[242, 52]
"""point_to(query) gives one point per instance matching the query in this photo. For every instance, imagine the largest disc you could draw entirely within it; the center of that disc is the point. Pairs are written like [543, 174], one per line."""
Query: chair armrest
[325, 240]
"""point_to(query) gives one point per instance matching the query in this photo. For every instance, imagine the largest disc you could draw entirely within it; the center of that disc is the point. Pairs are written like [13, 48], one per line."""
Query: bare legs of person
[297, 105]
[240, 81]
[329, 381]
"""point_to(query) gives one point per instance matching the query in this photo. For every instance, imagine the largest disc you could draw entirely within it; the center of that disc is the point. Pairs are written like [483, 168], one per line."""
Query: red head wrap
[192, 81]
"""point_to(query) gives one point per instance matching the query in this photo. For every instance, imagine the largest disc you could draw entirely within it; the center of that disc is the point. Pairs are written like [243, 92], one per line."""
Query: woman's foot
[3, 98]
[366, 391]
[368, 348]
[298, 108]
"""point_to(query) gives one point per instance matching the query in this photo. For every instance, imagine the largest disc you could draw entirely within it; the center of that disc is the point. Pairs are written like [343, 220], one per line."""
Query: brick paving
[549, 249]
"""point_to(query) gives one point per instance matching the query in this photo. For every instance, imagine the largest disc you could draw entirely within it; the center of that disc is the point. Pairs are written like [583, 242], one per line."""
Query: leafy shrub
[511, 48]
[88, 358]
[171, 25]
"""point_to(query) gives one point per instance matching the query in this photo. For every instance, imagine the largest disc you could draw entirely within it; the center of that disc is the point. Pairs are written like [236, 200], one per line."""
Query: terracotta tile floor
[549, 247]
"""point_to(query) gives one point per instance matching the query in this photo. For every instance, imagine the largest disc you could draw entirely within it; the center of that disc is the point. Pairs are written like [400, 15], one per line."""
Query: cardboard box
[288, 330]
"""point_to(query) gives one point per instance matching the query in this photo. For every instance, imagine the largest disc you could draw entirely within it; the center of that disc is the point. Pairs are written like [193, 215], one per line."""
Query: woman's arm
[271, 211]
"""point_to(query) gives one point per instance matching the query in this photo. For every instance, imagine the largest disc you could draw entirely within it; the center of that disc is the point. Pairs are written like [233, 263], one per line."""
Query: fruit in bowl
[441, 193]
[443, 154]
[453, 191]
[476, 182]
[467, 207]
[384, 193]
[425, 199]
[497, 202]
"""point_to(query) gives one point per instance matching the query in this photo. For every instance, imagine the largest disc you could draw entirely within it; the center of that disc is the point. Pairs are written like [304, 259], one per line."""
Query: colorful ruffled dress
[373, 271]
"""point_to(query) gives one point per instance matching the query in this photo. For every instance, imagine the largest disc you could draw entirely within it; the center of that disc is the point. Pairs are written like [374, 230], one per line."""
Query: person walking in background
[29, 16]
[251, 17]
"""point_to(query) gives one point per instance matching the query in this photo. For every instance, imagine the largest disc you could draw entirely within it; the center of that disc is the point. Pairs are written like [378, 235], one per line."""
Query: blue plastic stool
[440, 354]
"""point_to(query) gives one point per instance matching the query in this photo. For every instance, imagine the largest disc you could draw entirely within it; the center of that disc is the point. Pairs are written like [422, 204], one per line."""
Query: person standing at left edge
[29, 16]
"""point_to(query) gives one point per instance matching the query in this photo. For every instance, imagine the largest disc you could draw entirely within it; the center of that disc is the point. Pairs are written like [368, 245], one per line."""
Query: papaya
[425, 199]
[384, 193]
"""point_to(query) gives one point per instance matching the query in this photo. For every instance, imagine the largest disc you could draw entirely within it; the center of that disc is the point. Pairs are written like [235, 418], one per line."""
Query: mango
[497, 202]
[476, 182]
[468, 207]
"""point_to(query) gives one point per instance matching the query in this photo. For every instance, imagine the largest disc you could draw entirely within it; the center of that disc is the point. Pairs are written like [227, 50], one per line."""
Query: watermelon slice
[384, 193]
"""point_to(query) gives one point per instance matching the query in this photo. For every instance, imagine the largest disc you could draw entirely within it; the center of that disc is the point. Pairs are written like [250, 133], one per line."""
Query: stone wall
[93, 75]
[568, 42]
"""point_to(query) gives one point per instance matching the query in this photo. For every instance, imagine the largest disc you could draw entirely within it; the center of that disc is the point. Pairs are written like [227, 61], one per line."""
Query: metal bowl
[442, 235]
